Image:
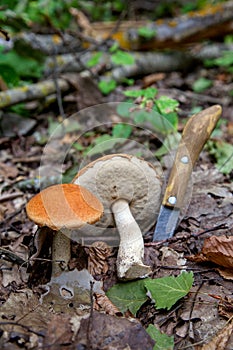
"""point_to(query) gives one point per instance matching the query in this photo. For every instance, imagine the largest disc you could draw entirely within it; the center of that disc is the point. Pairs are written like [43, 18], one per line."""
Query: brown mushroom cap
[64, 206]
[122, 176]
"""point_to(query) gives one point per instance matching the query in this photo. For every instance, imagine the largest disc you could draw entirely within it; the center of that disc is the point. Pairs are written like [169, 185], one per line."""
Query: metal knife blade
[195, 134]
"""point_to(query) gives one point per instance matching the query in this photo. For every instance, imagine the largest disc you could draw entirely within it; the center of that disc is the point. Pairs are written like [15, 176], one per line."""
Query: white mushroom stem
[60, 253]
[131, 249]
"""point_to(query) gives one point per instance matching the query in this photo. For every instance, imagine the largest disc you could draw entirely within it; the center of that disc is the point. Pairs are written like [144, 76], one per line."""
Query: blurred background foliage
[15, 15]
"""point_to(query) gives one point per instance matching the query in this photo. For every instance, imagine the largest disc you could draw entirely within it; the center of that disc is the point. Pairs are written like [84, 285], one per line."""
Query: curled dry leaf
[225, 273]
[98, 253]
[104, 303]
[218, 250]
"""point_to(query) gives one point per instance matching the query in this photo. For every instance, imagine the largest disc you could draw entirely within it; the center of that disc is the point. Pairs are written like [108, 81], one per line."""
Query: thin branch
[23, 326]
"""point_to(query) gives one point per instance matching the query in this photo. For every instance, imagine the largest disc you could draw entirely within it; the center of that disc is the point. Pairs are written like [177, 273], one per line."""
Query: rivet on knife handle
[195, 134]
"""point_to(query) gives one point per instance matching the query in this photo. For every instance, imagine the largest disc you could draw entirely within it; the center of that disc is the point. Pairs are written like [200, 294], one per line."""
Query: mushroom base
[134, 271]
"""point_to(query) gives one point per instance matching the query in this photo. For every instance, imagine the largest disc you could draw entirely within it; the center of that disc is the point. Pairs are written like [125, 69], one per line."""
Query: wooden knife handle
[195, 134]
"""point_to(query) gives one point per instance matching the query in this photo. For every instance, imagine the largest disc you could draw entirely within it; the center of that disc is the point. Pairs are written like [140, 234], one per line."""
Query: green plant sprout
[160, 113]
[225, 61]
[201, 84]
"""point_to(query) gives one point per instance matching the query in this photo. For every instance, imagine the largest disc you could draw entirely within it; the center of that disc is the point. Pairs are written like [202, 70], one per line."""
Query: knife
[195, 134]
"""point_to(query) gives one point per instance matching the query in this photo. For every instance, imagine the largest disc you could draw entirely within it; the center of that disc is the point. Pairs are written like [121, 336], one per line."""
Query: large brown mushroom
[130, 190]
[62, 208]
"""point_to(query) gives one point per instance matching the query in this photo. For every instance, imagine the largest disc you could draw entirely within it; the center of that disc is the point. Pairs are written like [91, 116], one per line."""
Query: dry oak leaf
[221, 340]
[107, 332]
[218, 250]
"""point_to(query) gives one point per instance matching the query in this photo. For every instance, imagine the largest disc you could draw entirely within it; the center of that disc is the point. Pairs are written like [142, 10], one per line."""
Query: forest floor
[33, 155]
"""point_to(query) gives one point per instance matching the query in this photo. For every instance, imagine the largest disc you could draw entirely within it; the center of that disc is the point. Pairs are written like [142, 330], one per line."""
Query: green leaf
[54, 127]
[170, 143]
[165, 124]
[167, 290]
[121, 130]
[60, 128]
[148, 93]
[72, 126]
[122, 58]
[78, 147]
[20, 109]
[103, 144]
[195, 110]
[166, 105]
[69, 174]
[127, 81]
[106, 86]
[133, 93]
[23, 66]
[226, 60]
[128, 295]
[94, 60]
[140, 116]
[223, 153]
[114, 47]
[201, 85]
[123, 109]
[9, 75]
[147, 32]
[163, 341]
[228, 39]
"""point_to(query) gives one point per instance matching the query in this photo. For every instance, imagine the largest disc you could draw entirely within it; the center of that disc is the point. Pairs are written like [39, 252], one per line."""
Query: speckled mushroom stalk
[63, 208]
[130, 190]
[60, 252]
[131, 249]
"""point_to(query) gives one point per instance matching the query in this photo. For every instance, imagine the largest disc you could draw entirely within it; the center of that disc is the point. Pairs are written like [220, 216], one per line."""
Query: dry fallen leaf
[225, 273]
[59, 332]
[221, 340]
[24, 320]
[218, 250]
[225, 306]
[107, 332]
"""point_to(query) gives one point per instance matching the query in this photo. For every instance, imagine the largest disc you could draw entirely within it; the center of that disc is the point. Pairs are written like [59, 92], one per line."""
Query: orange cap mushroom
[64, 206]
[67, 205]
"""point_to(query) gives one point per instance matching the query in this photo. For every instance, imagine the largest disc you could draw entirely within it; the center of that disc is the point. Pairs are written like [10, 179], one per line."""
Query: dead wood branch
[31, 92]
[151, 62]
[145, 63]
[72, 62]
[212, 21]
[47, 43]
[76, 62]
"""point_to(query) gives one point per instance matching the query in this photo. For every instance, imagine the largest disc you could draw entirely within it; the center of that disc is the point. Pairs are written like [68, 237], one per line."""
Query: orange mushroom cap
[64, 206]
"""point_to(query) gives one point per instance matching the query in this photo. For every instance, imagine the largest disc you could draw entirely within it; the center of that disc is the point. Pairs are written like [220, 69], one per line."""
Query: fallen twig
[6, 254]
[10, 196]
[31, 92]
